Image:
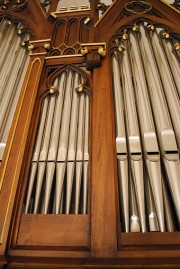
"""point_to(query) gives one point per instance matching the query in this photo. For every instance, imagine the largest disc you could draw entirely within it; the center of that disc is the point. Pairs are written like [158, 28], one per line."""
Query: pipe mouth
[134, 224]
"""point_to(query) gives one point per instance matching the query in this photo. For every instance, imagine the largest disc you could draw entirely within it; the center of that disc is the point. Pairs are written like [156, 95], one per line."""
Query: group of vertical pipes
[58, 181]
[13, 65]
[146, 79]
[146, 95]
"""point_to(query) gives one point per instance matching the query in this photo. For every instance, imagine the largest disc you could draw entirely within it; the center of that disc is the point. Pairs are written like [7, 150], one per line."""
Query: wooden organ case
[89, 174]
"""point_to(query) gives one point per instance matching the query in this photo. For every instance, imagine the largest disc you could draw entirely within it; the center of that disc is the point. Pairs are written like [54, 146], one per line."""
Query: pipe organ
[13, 65]
[59, 166]
[89, 134]
[147, 112]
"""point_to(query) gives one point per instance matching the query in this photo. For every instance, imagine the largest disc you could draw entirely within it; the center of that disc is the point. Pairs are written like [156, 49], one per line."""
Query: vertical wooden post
[13, 157]
[103, 201]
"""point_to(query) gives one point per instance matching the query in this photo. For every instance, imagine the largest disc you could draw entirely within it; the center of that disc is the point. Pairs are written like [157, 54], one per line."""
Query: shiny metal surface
[145, 76]
[58, 180]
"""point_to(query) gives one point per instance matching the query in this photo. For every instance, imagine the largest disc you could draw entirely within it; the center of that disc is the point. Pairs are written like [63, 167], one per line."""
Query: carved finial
[30, 47]
[84, 51]
[47, 45]
[102, 51]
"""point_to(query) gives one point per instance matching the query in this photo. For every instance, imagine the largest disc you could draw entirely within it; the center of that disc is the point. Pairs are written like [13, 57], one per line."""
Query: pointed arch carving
[49, 82]
[123, 17]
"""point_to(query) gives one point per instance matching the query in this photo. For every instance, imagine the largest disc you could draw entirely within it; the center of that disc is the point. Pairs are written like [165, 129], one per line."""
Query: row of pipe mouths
[146, 78]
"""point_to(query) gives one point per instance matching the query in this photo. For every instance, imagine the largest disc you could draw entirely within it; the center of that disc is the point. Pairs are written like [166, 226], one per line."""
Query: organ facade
[89, 134]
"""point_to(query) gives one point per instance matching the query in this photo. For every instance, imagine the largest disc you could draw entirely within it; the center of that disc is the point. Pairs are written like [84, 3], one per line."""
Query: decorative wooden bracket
[40, 46]
[93, 53]
[15, 5]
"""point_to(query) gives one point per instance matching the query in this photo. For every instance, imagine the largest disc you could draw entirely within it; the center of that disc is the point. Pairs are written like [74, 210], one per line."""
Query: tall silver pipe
[79, 152]
[64, 133]
[173, 61]
[7, 42]
[10, 86]
[121, 146]
[7, 65]
[12, 108]
[4, 132]
[3, 28]
[48, 127]
[134, 138]
[165, 131]
[169, 86]
[42, 155]
[149, 139]
[73, 122]
[86, 156]
[53, 146]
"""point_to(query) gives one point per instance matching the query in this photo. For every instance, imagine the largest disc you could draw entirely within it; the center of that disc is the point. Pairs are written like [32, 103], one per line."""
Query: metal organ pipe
[146, 90]
[121, 144]
[172, 57]
[13, 65]
[59, 169]
[148, 135]
[169, 86]
[163, 122]
[135, 150]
